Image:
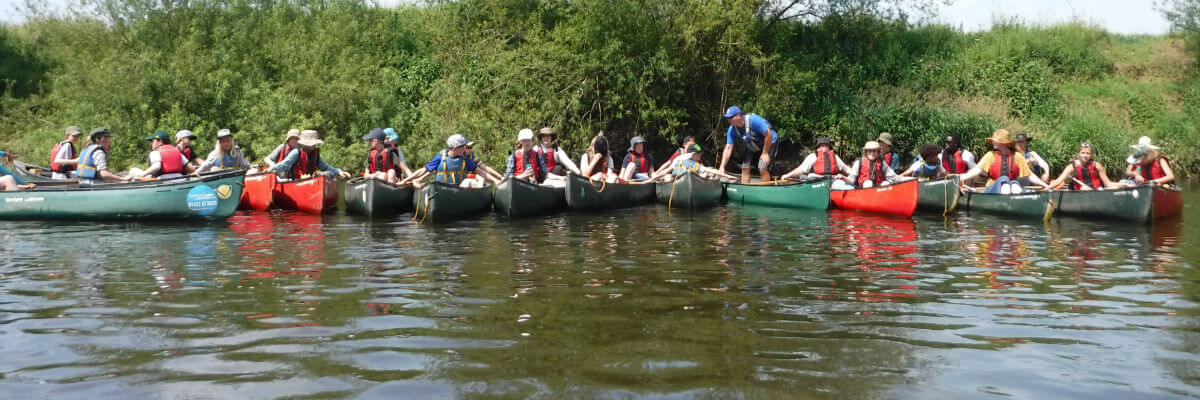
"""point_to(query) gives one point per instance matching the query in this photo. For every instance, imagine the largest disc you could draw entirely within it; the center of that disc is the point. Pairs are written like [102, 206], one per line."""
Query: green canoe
[584, 195]
[211, 197]
[1025, 205]
[35, 174]
[520, 198]
[812, 195]
[377, 198]
[940, 195]
[441, 202]
[1135, 204]
[689, 192]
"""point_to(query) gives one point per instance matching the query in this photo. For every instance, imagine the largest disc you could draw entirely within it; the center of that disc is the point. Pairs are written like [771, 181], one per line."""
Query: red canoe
[258, 192]
[314, 195]
[898, 199]
[1167, 202]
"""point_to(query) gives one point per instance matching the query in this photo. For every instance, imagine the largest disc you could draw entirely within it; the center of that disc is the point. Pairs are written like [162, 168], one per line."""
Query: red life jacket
[1004, 166]
[873, 173]
[1153, 171]
[1088, 174]
[60, 168]
[956, 166]
[519, 161]
[641, 162]
[191, 155]
[826, 163]
[887, 158]
[171, 164]
[551, 162]
[379, 161]
[307, 164]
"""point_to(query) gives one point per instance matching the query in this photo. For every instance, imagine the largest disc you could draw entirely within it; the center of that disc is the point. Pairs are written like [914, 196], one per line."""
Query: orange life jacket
[873, 172]
[1088, 174]
[171, 164]
[826, 163]
[61, 168]
[1153, 171]
[956, 165]
[1004, 166]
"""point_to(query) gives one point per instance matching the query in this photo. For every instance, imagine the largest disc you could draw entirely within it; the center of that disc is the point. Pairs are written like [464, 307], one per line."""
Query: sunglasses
[1085, 144]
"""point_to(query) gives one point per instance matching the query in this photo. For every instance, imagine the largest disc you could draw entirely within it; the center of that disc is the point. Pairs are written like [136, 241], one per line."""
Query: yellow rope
[672, 197]
[1049, 210]
[426, 212]
[603, 184]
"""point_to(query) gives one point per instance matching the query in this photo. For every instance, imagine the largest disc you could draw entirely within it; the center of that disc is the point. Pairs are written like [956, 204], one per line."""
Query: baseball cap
[224, 133]
[184, 134]
[375, 134]
[731, 111]
[160, 135]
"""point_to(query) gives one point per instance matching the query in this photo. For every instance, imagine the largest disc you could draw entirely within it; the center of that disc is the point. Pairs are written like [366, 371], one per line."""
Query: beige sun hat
[310, 138]
[885, 138]
[872, 145]
[1000, 136]
[291, 133]
[1144, 141]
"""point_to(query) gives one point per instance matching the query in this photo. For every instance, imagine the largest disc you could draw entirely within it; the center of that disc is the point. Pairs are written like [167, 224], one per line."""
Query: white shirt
[560, 157]
[64, 153]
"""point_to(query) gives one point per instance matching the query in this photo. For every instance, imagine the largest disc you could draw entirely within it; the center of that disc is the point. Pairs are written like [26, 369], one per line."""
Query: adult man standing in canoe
[1084, 173]
[451, 166]
[226, 156]
[93, 159]
[525, 163]
[290, 142]
[166, 161]
[687, 162]
[62, 155]
[821, 163]
[870, 170]
[637, 165]
[1146, 165]
[1007, 171]
[557, 160]
[755, 137]
[891, 158]
[381, 160]
[955, 159]
[306, 160]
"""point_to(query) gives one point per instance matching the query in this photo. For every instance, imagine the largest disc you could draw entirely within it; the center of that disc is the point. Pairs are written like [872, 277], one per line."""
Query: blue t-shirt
[758, 130]
[437, 160]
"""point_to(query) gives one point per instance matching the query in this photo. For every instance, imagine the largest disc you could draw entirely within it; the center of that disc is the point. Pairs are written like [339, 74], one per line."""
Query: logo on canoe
[224, 191]
[203, 200]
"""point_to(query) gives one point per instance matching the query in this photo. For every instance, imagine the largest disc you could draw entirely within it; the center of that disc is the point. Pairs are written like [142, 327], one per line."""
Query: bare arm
[728, 151]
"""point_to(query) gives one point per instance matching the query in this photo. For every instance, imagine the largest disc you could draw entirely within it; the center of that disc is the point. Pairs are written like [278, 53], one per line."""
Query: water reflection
[729, 302]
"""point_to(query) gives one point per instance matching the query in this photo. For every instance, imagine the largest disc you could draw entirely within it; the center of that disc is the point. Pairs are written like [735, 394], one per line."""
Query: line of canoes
[216, 196]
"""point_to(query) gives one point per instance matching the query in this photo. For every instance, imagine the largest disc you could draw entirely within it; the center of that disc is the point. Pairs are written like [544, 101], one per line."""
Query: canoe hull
[812, 196]
[519, 198]
[1167, 202]
[211, 197]
[689, 192]
[1030, 205]
[939, 195]
[583, 195]
[898, 199]
[316, 195]
[439, 202]
[1131, 204]
[375, 198]
[259, 192]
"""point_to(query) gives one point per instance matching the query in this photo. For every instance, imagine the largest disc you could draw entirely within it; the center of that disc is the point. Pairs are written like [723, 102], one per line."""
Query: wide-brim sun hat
[391, 134]
[74, 130]
[547, 131]
[1000, 136]
[310, 138]
[1139, 152]
[291, 133]
[885, 138]
[1145, 141]
[525, 134]
[1021, 137]
[871, 145]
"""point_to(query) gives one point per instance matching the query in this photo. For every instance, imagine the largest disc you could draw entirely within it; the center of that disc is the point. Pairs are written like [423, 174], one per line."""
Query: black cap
[99, 133]
[953, 138]
[375, 134]
[824, 141]
[1021, 137]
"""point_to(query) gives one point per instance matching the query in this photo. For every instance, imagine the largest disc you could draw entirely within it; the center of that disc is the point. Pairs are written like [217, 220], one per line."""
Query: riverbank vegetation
[660, 69]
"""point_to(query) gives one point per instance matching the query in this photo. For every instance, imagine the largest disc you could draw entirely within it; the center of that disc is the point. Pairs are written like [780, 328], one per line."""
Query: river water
[728, 303]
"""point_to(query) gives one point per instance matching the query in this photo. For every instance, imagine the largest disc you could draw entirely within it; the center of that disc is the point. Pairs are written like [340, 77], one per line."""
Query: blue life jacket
[685, 166]
[451, 170]
[926, 170]
[229, 160]
[87, 164]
